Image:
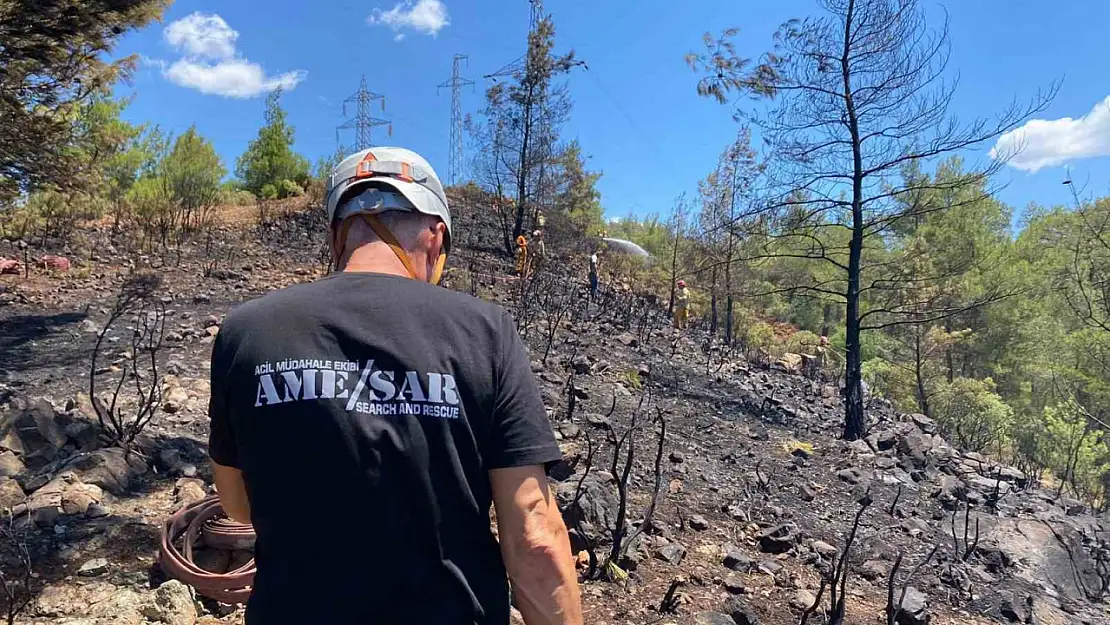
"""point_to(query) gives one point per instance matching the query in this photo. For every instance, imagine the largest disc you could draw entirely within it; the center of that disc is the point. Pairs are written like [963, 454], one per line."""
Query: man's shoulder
[405, 291]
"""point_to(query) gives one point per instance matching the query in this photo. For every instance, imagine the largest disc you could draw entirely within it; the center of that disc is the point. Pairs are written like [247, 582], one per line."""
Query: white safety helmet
[389, 179]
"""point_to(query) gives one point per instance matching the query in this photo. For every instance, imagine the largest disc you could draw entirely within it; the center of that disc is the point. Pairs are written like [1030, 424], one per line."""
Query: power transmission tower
[534, 17]
[457, 82]
[363, 121]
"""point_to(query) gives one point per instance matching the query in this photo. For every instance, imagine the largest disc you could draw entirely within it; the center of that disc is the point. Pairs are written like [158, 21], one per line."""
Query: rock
[212, 331]
[806, 492]
[11, 494]
[77, 498]
[737, 561]
[1013, 608]
[802, 599]
[187, 490]
[596, 508]
[770, 567]
[89, 326]
[596, 420]
[211, 320]
[677, 457]
[924, 423]
[108, 469]
[699, 523]
[93, 568]
[627, 340]
[914, 608]
[581, 365]
[949, 491]
[825, 549]
[579, 392]
[11, 465]
[33, 433]
[777, 539]
[851, 475]
[570, 430]
[175, 400]
[97, 511]
[859, 447]
[914, 447]
[741, 612]
[672, 553]
[734, 584]
[882, 440]
[710, 618]
[46, 516]
[173, 604]
[873, 570]
[915, 527]
[884, 463]
[84, 434]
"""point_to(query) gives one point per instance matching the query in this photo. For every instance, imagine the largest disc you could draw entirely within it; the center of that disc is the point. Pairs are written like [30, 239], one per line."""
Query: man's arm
[535, 547]
[232, 491]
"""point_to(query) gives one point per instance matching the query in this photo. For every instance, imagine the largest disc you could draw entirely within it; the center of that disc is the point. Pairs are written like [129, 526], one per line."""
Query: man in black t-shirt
[364, 423]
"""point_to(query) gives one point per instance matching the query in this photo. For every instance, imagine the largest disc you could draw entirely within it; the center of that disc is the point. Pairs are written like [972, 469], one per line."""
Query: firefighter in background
[539, 250]
[521, 255]
[681, 306]
[594, 277]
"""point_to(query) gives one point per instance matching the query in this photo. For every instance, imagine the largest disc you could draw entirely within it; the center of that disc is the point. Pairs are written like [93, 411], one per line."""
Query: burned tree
[860, 95]
[17, 577]
[134, 398]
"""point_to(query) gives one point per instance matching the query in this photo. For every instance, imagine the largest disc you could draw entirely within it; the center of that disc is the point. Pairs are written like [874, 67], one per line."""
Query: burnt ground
[749, 449]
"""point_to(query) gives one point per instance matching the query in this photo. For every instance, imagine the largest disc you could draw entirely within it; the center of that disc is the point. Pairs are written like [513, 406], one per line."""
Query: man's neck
[376, 257]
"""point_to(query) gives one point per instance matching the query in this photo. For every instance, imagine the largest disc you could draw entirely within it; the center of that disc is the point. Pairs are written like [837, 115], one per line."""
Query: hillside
[756, 494]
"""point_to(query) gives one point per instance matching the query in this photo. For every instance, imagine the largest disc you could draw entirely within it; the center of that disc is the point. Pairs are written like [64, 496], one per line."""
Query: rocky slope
[757, 496]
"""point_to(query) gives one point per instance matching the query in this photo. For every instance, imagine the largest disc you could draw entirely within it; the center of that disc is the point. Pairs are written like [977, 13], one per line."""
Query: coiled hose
[205, 520]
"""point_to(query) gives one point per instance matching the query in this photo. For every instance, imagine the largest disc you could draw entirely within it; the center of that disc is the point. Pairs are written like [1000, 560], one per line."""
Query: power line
[363, 121]
[457, 82]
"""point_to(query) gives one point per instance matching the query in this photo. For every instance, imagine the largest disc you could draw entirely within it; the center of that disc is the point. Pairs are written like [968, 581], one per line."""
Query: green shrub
[290, 189]
[803, 342]
[972, 414]
[235, 197]
[269, 192]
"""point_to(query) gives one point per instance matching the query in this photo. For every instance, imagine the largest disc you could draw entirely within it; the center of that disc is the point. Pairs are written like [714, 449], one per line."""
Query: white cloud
[202, 35]
[1041, 143]
[233, 78]
[425, 16]
[210, 63]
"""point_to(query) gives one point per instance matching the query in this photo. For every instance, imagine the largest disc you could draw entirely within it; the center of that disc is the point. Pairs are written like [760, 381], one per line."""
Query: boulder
[93, 568]
[859, 447]
[710, 618]
[11, 494]
[173, 604]
[950, 491]
[914, 608]
[734, 584]
[924, 423]
[109, 469]
[11, 465]
[873, 570]
[32, 433]
[777, 539]
[737, 561]
[914, 447]
[596, 508]
[1015, 608]
[806, 492]
[802, 599]
[699, 523]
[672, 553]
[851, 475]
[741, 612]
[581, 365]
[78, 497]
[770, 567]
[825, 549]
[882, 440]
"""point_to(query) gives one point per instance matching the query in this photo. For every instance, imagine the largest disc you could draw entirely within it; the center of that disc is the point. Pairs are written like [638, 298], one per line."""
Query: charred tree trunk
[853, 390]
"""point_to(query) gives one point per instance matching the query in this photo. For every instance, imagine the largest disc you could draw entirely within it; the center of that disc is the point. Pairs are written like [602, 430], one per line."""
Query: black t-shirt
[365, 411]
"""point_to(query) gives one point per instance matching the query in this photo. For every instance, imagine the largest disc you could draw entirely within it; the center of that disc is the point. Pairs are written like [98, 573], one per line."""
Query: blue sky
[636, 112]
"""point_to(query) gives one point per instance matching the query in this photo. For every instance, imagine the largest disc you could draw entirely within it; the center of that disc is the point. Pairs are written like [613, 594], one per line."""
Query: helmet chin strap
[387, 237]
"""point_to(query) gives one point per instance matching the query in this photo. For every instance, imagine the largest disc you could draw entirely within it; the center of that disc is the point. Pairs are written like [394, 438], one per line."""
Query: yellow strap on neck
[387, 237]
